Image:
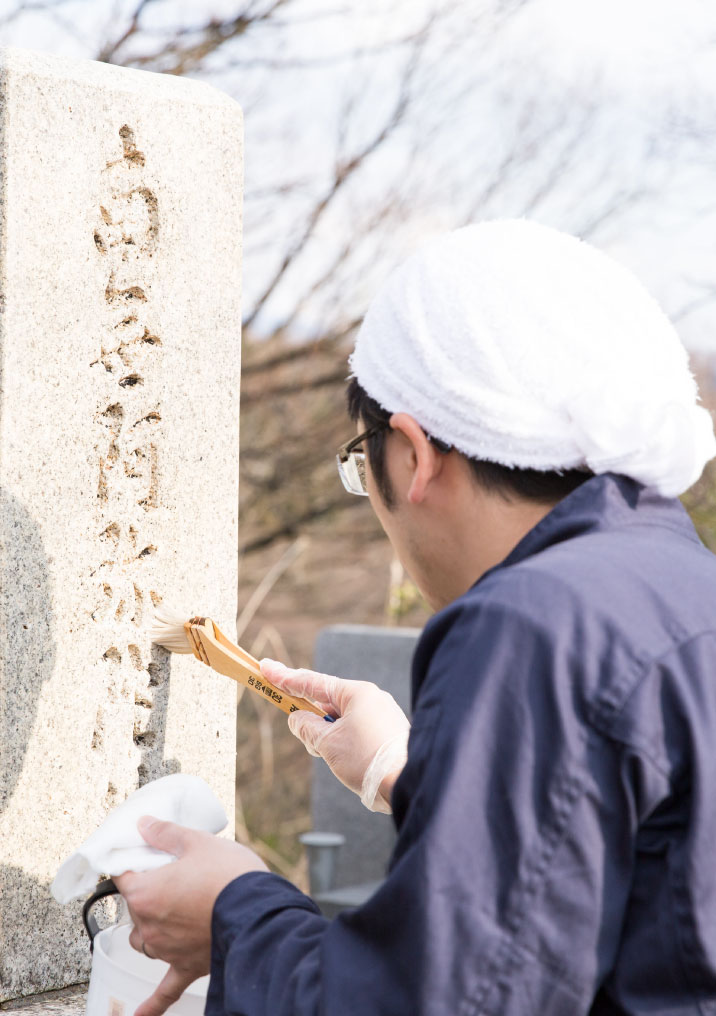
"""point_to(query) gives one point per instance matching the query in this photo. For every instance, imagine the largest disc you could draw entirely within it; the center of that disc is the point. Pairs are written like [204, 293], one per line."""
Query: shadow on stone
[151, 742]
[44, 921]
[27, 660]
[27, 649]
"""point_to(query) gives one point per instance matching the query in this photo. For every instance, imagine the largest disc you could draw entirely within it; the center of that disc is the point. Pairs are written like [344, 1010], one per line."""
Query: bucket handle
[104, 888]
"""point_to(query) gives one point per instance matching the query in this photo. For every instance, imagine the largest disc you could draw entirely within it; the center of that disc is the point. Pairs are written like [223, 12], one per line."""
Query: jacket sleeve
[508, 884]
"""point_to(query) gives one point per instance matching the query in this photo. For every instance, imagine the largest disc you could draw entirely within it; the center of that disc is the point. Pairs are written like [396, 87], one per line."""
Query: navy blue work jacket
[556, 817]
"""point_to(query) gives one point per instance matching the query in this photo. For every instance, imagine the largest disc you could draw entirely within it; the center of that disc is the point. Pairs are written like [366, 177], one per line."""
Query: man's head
[520, 345]
[541, 486]
[500, 367]
[449, 518]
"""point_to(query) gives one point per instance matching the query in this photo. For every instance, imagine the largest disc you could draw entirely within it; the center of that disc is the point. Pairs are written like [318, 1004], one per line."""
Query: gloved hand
[366, 747]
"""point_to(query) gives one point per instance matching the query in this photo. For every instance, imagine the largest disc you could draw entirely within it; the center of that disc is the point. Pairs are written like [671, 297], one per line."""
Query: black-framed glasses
[351, 459]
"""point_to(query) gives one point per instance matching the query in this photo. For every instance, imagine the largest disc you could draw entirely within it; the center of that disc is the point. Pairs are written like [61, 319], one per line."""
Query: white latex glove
[367, 745]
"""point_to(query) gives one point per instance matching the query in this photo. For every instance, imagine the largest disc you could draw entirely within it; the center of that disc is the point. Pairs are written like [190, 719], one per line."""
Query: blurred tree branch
[190, 47]
[345, 168]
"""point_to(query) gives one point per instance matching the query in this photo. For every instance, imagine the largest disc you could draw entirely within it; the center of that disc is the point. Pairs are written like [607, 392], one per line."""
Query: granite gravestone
[120, 212]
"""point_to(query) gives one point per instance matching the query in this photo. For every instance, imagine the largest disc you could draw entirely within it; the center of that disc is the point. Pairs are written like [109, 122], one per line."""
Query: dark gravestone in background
[362, 653]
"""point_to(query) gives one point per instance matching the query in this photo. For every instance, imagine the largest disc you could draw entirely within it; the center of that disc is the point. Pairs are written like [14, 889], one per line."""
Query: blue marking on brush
[330, 719]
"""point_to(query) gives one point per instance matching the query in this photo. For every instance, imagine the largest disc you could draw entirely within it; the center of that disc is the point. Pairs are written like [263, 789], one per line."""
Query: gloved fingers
[303, 683]
[309, 729]
[326, 706]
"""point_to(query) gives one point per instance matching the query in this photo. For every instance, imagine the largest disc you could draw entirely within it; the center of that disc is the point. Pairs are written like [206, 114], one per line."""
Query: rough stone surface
[120, 200]
[361, 653]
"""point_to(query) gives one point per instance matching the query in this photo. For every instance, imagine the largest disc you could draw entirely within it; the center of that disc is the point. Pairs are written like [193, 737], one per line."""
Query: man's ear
[425, 459]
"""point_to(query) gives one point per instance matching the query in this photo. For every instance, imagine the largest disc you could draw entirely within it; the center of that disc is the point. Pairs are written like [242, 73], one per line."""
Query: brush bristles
[168, 630]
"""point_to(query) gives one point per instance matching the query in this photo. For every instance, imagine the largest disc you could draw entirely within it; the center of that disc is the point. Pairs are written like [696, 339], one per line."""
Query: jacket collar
[605, 502]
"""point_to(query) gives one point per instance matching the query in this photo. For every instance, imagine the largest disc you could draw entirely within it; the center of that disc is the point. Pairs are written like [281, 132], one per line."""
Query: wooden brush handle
[231, 660]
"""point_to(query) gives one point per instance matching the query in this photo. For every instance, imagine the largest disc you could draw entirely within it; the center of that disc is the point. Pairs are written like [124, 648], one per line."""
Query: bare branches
[335, 59]
[108, 52]
[614, 206]
[706, 298]
[322, 381]
[52, 8]
[269, 580]
[189, 47]
[344, 169]
[302, 351]
[30, 7]
[294, 525]
[568, 145]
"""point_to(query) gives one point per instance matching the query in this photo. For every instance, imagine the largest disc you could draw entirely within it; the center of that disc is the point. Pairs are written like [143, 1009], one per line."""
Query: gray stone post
[361, 653]
[120, 249]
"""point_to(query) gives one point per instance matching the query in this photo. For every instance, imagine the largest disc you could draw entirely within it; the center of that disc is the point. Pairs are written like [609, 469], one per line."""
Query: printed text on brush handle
[276, 696]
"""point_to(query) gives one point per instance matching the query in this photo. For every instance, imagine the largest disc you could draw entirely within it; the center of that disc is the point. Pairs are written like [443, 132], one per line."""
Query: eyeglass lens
[352, 472]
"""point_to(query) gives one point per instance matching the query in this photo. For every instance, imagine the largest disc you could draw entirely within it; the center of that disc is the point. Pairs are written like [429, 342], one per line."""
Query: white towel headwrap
[527, 347]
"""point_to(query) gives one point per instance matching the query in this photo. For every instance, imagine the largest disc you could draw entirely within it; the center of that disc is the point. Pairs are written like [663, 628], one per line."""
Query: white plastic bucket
[123, 978]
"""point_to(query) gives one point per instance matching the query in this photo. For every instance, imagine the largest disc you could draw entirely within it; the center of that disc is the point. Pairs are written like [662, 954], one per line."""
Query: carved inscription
[128, 421]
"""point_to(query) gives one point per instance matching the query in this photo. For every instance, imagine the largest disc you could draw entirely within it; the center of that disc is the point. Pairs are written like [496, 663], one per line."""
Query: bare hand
[367, 720]
[171, 907]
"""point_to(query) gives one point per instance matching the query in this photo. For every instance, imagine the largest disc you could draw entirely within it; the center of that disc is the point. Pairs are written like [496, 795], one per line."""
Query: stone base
[120, 255]
[64, 1002]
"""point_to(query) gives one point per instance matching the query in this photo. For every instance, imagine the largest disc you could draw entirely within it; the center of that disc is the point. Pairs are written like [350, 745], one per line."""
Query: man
[525, 419]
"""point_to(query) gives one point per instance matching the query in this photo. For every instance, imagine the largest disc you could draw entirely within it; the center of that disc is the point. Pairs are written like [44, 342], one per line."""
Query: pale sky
[641, 40]
[643, 63]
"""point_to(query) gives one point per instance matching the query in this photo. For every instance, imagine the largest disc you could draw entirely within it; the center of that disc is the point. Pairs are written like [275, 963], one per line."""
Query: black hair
[544, 487]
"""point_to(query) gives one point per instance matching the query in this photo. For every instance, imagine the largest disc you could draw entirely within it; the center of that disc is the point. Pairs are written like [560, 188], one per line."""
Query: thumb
[310, 729]
[169, 991]
[165, 836]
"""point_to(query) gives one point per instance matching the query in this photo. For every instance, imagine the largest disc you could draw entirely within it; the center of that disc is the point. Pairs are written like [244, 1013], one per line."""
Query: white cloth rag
[525, 346]
[117, 845]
